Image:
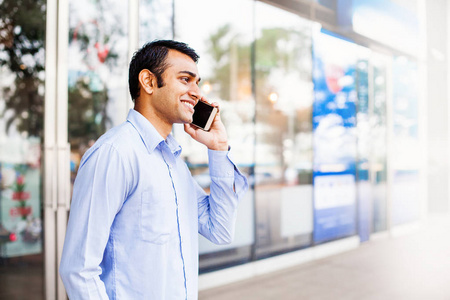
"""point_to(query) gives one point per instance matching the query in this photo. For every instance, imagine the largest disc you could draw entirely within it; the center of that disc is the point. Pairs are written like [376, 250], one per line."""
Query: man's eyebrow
[192, 74]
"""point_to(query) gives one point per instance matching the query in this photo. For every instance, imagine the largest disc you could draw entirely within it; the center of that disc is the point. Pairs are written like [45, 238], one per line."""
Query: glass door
[97, 72]
[81, 97]
[22, 86]
[91, 94]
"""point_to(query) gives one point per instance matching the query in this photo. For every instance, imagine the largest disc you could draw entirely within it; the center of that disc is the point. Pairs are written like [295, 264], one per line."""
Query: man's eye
[185, 79]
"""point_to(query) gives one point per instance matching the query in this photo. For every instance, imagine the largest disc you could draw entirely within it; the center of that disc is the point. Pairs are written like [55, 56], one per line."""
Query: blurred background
[336, 110]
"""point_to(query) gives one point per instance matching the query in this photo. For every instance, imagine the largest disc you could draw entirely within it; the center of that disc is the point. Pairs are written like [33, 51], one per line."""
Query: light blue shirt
[136, 213]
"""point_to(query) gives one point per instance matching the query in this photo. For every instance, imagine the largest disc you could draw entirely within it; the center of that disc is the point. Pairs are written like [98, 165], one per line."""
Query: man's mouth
[188, 104]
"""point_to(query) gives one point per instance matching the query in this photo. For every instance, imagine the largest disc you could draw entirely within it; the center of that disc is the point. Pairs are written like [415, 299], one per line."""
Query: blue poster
[334, 136]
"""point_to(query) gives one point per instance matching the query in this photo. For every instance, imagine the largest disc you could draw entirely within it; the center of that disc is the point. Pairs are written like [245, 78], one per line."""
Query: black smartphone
[203, 115]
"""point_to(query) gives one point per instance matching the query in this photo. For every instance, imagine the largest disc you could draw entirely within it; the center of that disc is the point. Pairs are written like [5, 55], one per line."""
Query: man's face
[174, 102]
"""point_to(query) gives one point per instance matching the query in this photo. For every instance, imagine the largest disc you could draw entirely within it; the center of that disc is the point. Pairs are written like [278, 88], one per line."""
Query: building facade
[333, 119]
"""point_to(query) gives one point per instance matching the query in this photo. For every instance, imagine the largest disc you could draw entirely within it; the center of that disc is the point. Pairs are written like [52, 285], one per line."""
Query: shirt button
[230, 173]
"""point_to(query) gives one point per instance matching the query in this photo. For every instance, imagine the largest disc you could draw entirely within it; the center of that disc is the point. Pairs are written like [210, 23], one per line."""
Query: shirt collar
[174, 147]
[150, 135]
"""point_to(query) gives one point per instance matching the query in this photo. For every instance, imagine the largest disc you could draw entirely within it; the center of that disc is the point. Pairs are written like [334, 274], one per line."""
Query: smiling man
[136, 210]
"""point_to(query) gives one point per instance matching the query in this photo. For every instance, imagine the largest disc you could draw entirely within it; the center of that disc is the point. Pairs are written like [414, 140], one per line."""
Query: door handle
[51, 189]
[64, 176]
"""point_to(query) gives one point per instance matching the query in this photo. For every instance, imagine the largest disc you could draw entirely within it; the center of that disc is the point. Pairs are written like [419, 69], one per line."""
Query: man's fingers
[189, 129]
[216, 105]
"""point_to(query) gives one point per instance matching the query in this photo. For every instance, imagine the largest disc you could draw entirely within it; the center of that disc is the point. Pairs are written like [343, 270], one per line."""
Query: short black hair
[152, 56]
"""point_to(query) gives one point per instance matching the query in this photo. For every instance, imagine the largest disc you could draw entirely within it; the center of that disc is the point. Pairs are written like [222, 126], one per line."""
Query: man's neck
[163, 128]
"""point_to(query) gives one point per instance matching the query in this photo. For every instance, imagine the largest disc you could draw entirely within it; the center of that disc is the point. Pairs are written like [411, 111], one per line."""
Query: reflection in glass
[222, 36]
[98, 71]
[364, 191]
[379, 144]
[335, 136]
[405, 144]
[22, 75]
[331, 4]
[155, 20]
[283, 171]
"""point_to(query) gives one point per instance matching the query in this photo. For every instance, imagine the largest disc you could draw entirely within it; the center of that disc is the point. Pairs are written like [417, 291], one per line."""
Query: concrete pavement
[408, 267]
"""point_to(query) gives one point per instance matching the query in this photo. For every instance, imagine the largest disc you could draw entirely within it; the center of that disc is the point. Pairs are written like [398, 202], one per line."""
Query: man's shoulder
[120, 135]
[122, 139]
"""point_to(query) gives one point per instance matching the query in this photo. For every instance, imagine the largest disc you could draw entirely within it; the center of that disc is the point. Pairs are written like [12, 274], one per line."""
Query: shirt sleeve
[99, 192]
[217, 212]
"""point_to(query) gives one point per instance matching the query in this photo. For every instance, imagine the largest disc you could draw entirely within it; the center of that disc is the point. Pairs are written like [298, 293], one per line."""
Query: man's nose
[195, 92]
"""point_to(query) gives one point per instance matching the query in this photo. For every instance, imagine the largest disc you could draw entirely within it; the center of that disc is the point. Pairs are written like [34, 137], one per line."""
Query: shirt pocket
[157, 218]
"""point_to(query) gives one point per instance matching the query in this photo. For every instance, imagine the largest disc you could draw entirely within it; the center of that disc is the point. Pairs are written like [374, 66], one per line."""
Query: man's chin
[186, 121]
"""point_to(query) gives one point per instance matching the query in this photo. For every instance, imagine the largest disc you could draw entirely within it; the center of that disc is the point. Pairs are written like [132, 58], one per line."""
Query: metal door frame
[56, 148]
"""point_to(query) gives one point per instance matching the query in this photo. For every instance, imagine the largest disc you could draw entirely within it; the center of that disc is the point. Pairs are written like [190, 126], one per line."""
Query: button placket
[170, 161]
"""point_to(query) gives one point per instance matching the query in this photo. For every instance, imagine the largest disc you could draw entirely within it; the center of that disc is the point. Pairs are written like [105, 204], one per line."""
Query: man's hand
[216, 138]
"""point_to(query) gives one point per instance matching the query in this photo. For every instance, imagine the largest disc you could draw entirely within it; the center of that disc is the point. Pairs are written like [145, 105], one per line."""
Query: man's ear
[147, 80]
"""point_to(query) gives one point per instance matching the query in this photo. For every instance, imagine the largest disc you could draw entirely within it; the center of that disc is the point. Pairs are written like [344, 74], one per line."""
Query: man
[136, 210]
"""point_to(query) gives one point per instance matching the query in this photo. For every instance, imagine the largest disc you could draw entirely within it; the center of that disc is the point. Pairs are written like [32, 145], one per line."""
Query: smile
[188, 104]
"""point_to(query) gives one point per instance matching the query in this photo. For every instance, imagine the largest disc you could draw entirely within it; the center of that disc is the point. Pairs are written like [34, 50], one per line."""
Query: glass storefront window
[335, 136]
[405, 144]
[331, 4]
[364, 188]
[155, 20]
[22, 79]
[284, 93]
[98, 72]
[378, 129]
[222, 36]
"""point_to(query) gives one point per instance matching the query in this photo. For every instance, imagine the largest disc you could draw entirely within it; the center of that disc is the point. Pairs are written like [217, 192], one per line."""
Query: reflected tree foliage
[87, 118]
[278, 52]
[88, 90]
[22, 38]
[231, 61]
[276, 49]
[281, 48]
